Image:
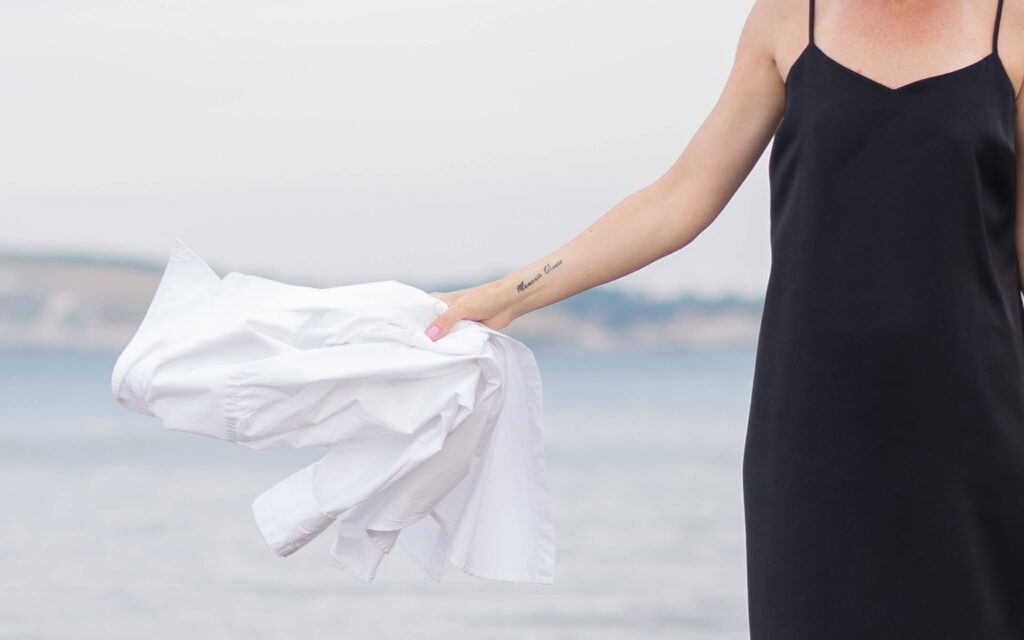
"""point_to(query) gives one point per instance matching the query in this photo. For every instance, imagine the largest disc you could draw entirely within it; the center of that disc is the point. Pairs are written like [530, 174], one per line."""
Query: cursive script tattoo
[548, 268]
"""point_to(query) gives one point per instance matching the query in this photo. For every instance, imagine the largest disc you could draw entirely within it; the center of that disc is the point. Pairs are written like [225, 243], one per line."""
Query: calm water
[116, 528]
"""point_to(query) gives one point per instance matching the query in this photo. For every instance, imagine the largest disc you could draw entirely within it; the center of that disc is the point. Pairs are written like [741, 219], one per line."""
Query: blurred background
[442, 144]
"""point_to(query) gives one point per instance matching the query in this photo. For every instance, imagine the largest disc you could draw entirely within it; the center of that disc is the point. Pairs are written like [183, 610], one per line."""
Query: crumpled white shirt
[437, 445]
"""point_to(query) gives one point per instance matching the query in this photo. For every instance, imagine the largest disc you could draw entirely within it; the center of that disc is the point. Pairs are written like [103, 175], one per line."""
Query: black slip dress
[883, 468]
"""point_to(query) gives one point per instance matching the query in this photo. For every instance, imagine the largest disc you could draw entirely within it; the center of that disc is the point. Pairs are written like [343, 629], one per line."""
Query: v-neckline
[907, 85]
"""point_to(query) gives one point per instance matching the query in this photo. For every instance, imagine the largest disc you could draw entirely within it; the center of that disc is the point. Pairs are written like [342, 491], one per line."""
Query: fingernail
[433, 331]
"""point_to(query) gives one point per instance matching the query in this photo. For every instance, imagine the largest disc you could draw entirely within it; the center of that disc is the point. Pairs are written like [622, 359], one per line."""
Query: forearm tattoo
[548, 268]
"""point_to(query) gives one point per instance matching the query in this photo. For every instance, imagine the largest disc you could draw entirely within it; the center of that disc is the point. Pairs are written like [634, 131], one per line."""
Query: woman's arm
[1019, 232]
[662, 217]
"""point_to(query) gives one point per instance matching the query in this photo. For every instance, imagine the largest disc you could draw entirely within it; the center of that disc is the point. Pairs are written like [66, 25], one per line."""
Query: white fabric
[436, 444]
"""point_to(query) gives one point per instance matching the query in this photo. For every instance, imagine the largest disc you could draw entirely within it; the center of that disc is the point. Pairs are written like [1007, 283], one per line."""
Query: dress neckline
[992, 55]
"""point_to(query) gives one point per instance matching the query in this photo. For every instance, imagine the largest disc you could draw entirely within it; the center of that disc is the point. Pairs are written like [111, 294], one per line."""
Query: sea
[114, 527]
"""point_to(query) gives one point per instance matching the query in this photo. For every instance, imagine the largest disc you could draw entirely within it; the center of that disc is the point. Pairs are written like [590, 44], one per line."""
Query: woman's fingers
[482, 303]
[440, 326]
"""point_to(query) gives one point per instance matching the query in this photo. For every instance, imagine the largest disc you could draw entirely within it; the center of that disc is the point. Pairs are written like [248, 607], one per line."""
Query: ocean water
[114, 527]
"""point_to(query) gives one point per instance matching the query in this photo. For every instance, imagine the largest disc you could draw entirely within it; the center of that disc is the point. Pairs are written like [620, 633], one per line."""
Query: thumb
[440, 326]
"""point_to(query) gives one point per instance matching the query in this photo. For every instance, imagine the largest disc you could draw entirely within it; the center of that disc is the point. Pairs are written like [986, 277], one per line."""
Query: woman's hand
[484, 303]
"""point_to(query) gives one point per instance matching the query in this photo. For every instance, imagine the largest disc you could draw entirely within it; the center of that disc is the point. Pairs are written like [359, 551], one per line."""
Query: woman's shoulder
[1011, 41]
[779, 29]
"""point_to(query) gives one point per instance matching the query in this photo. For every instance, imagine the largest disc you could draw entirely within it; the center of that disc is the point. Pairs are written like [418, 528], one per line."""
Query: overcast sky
[352, 141]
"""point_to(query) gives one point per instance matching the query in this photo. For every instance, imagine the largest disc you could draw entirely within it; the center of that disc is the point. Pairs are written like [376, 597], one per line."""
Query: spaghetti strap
[995, 31]
[810, 20]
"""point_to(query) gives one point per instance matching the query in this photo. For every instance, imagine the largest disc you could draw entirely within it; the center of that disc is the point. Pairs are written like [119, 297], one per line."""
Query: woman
[883, 471]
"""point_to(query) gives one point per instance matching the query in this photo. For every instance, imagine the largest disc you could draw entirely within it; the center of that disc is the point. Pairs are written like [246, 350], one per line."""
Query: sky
[341, 142]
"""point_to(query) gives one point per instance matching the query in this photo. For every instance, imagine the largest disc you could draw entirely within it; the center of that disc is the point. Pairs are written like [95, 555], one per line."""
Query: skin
[892, 42]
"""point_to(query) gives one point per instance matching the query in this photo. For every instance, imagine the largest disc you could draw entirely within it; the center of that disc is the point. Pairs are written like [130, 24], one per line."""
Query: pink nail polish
[433, 331]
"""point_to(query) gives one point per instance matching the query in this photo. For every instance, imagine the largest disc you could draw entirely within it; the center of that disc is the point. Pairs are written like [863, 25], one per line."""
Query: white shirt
[435, 444]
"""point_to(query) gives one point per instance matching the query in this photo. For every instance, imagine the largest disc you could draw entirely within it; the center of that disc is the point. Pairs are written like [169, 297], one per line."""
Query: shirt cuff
[288, 514]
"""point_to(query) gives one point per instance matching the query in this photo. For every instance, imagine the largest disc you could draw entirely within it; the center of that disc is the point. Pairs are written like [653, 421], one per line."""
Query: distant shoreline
[83, 301]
